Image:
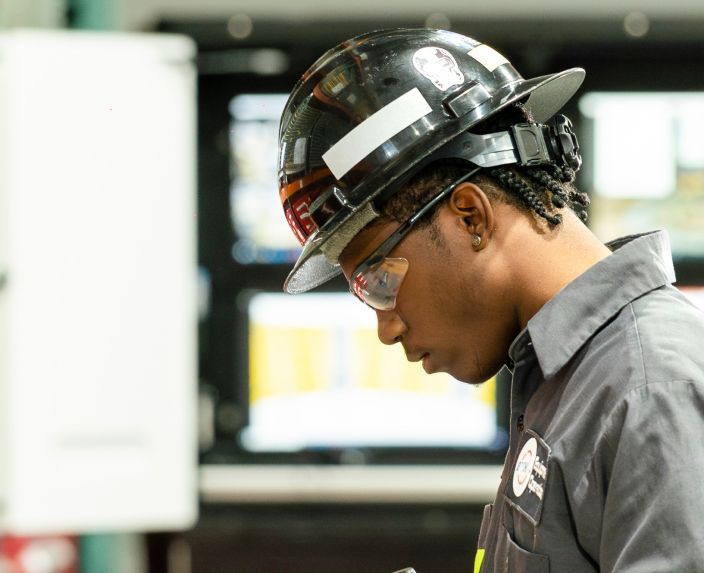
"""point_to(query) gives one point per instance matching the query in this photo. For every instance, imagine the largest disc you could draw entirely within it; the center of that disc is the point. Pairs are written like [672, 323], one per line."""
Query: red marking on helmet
[299, 219]
[291, 220]
[302, 210]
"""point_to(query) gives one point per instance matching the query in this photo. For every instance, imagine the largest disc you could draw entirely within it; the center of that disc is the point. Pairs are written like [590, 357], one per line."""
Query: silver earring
[476, 240]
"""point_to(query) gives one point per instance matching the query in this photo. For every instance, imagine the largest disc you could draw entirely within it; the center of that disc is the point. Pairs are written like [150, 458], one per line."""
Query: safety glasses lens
[378, 285]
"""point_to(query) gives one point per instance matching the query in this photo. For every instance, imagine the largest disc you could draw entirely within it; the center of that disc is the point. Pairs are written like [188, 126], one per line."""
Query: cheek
[472, 321]
[438, 307]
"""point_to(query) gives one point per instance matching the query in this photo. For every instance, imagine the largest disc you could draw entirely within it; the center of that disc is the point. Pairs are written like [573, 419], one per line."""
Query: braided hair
[541, 190]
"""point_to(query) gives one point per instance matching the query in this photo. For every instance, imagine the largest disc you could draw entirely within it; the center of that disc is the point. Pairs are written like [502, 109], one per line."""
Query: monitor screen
[646, 166]
[258, 218]
[319, 379]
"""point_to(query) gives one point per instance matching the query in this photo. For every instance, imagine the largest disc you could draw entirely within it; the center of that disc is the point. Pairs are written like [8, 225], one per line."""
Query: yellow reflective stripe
[478, 560]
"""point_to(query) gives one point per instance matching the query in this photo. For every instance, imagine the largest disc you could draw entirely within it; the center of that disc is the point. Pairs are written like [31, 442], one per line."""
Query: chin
[474, 381]
[467, 378]
[475, 377]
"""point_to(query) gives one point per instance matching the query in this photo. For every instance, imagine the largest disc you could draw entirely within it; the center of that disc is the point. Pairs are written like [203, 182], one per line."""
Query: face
[453, 310]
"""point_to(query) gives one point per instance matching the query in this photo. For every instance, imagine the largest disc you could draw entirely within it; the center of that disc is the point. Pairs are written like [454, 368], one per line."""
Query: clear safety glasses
[377, 280]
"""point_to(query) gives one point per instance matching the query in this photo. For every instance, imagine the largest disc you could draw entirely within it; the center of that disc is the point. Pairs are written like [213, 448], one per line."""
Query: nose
[390, 326]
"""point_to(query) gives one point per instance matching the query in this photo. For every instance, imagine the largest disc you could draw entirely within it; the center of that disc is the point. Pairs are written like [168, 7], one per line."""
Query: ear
[469, 202]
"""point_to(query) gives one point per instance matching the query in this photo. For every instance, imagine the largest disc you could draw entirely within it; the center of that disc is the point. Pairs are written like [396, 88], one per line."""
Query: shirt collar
[638, 264]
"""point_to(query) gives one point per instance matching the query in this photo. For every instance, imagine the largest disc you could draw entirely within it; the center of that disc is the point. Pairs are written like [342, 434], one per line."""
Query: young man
[421, 165]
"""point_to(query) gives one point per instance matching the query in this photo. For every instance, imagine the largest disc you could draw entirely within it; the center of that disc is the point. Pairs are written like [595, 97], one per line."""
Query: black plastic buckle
[530, 144]
[553, 143]
[564, 142]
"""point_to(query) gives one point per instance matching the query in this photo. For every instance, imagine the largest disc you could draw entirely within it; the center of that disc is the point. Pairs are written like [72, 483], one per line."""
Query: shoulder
[649, 354]
[669, 332]
[658, 337]
[662, 344]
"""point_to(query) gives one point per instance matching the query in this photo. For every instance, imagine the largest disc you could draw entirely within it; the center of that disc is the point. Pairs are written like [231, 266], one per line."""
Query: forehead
[364, 244]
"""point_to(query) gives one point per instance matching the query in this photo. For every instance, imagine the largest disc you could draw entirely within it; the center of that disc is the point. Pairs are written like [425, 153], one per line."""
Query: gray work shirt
[605, 468]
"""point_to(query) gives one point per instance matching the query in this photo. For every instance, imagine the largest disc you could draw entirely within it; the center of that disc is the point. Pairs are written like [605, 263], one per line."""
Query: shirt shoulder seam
[650, 386]
[640, 346]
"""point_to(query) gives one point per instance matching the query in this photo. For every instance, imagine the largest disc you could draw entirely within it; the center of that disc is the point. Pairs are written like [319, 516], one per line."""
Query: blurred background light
[439, 21]
[636, 24]
[240, 26]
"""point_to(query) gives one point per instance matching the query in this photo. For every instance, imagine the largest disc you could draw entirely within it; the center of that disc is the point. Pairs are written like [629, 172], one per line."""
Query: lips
[415, 356]
[418, 356]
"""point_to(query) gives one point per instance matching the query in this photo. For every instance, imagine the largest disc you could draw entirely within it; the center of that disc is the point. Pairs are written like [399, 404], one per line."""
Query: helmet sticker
[299, 219]
[291, 220]
[439, 66]
[487, 57]
[378, 128]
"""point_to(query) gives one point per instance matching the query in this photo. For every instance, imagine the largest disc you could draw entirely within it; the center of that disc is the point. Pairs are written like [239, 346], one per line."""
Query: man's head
[451, 274]
[369, 138]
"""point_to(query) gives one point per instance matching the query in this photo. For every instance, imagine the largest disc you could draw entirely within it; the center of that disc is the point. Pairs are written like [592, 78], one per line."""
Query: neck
[544, 263]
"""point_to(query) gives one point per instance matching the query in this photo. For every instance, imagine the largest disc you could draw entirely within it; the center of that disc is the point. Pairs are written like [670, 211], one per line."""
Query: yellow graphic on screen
[294, 360]
[288, 361]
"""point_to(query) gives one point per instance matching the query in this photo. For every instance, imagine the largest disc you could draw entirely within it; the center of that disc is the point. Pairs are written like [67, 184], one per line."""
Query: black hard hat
[369, 111]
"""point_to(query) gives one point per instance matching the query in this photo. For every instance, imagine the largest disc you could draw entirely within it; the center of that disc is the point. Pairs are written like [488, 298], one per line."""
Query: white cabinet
[97, 282]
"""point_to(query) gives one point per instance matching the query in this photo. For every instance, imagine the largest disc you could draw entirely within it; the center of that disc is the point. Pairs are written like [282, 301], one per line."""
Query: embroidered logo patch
[524, 467]
[526, 489]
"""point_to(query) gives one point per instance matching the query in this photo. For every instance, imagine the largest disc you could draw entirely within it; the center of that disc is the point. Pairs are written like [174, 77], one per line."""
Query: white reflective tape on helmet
[375, 130]
[487, 57]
